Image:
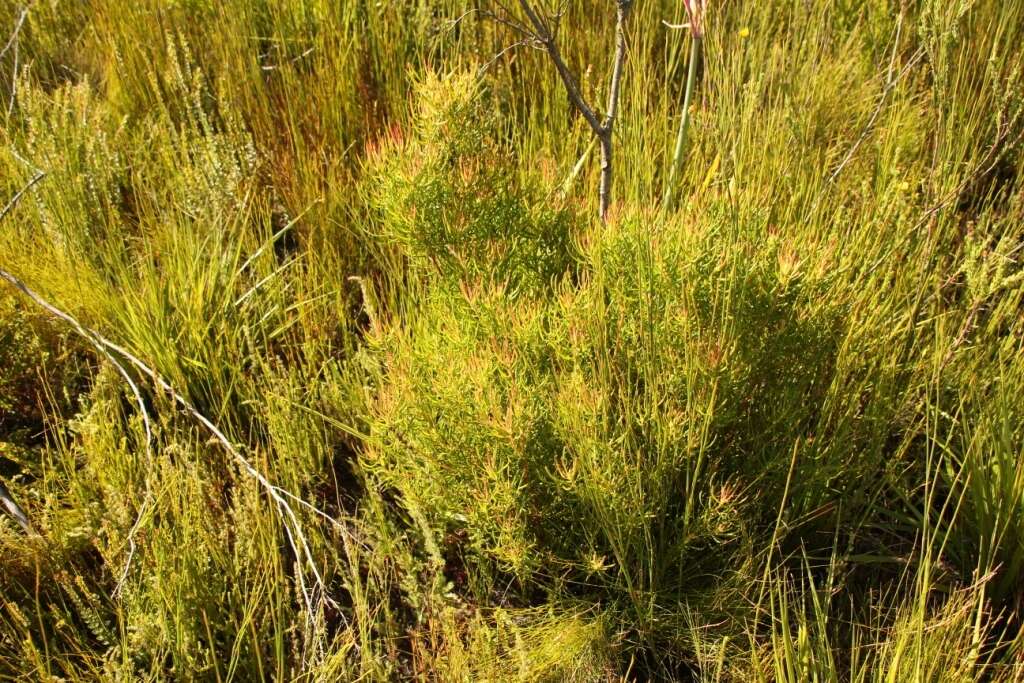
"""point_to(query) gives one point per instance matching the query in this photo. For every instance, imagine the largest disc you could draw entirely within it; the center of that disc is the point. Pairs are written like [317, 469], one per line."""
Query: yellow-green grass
[470, 432]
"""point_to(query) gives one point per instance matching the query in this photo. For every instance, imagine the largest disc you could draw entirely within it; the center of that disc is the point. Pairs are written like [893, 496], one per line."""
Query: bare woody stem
[602, 129]
[605, 135]
[547, 40]
[14, 509]
[290, 521]
[292, 526]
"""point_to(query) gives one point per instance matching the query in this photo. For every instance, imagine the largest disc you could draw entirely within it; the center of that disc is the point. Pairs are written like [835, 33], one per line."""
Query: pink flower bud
[695, 11]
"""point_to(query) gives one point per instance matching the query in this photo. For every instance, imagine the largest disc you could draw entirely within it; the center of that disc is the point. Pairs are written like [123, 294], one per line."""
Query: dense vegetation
[355, 384]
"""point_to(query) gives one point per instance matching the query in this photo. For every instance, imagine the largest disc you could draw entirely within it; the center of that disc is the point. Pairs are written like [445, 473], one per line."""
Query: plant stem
[605, 133]
[684, 123]
[602, 128]
[571, 178]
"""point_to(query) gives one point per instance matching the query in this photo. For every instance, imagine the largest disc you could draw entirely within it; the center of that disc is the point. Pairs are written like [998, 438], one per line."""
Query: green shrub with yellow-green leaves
[375, 396]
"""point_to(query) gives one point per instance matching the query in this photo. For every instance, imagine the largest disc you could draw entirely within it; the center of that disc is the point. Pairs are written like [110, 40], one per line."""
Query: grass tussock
[419, 415]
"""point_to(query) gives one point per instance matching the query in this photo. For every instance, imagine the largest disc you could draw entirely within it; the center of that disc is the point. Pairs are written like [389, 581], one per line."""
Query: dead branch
[15, 510]
[13, 41]
[17, 197]
[293, 528]
[541, 30]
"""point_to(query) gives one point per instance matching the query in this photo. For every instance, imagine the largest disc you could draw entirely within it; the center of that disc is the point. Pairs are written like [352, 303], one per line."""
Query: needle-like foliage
[325, 357]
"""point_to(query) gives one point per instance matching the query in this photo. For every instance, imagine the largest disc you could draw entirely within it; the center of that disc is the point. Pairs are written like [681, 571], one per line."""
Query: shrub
[452, 199]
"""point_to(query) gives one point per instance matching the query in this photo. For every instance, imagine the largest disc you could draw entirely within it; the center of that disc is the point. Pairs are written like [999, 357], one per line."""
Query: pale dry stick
[890, 84]
[146, 423]
[147, 426]
[26, 162]
[865, 132]
[121, 370]
[147, 499]
[17, 197]
[996, 151]
[13, 41]
[292, 527]
[275, 67]
[15, 510]
[95, 341]
[486, 66]
[277, 494]
[6, 498]
[991, 158]
[14, 34]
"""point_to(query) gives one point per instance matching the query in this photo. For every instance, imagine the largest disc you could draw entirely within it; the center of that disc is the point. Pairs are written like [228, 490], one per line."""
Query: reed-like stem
[684, 124]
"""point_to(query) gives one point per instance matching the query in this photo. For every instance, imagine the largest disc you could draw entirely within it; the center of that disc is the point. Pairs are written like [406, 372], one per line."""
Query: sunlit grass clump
[343, 379]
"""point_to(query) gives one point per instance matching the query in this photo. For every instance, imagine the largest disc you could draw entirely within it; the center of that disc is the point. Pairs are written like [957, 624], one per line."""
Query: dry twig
[540, 31]
[314, 597]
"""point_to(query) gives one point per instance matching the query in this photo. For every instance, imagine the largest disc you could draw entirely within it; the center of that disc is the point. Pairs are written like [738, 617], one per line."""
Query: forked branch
[537, 29]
